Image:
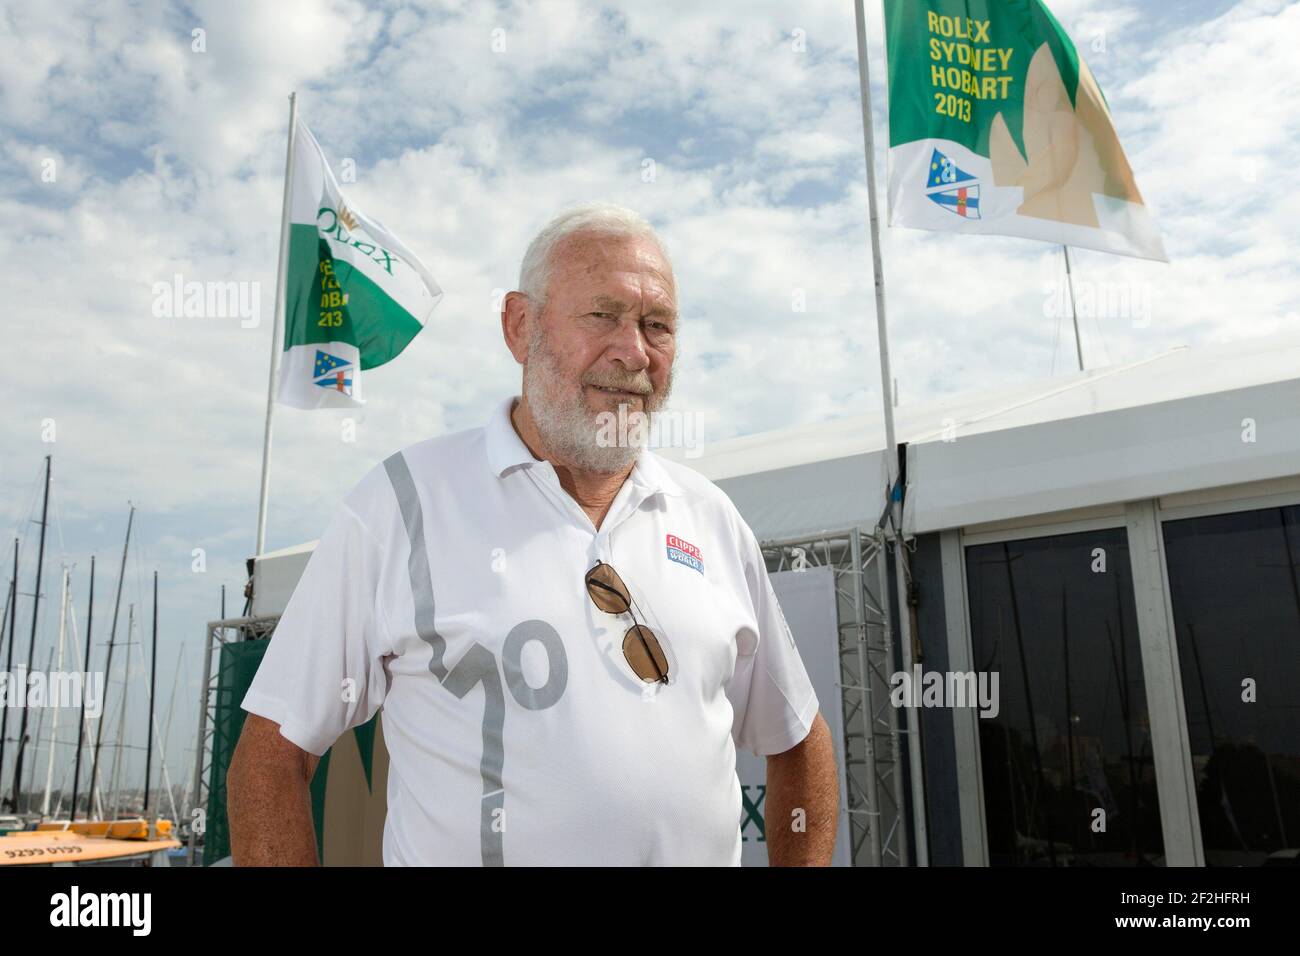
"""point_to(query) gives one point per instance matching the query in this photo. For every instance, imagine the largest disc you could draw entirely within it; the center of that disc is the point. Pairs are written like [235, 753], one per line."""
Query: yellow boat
[133, 829]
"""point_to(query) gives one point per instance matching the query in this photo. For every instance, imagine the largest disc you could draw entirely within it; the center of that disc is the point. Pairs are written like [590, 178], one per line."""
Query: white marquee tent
[1170, 423]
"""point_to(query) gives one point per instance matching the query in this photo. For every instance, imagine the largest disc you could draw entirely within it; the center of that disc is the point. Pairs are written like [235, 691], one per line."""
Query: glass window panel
[1235, 588]
[1054, 617]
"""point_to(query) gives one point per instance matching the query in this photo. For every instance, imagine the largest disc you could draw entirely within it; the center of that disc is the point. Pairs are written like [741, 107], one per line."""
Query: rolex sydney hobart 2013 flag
[996, 125]
[355, 296]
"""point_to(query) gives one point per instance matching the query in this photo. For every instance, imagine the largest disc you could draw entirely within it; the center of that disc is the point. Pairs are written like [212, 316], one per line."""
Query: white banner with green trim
[355, 295]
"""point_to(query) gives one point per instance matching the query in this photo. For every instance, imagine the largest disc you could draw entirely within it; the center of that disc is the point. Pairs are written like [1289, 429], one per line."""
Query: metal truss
[872, 768]
[219, 634]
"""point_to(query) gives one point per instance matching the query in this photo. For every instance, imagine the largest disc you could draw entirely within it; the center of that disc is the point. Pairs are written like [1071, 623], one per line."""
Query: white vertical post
[1171, 752]
[891, 446]
[277, 330]
[965, 721]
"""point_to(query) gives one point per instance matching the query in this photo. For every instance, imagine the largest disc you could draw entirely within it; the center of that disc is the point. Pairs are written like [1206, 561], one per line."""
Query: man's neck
[593, 491]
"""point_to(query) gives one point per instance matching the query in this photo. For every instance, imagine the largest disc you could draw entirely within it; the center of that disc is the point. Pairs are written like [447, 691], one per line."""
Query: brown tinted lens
[607, 589]
[643, 653]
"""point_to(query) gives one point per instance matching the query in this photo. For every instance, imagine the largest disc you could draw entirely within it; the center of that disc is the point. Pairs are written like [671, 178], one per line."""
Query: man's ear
[517, 316]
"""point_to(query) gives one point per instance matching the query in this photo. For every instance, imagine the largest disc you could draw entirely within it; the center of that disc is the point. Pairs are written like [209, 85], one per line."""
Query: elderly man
[569, 635]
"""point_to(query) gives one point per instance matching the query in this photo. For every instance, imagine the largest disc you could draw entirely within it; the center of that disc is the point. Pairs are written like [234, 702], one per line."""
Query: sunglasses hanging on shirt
[640, 646]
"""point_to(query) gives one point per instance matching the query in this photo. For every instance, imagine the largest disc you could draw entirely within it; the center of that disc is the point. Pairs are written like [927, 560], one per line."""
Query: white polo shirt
[449, 589]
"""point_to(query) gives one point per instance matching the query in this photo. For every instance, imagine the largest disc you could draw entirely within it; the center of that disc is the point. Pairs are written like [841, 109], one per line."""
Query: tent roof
[1168, 423]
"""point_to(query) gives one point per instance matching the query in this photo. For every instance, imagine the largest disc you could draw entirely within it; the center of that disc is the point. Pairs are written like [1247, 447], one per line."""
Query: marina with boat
[99, 819]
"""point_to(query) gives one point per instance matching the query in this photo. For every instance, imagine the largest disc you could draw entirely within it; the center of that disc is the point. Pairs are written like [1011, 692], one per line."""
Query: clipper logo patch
[683, 552]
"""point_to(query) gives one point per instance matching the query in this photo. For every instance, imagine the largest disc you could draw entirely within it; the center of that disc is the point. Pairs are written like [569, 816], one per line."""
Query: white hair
[599, 217]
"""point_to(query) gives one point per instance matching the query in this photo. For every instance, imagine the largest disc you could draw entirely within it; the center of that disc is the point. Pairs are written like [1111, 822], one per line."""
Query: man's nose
[629, 345]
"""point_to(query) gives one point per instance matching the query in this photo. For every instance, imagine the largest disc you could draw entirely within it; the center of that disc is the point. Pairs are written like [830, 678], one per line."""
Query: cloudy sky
[470, 125]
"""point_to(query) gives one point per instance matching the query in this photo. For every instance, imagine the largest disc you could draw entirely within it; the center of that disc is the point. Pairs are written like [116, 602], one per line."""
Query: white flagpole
[891, 449]
[277, 331]
[1074, 307]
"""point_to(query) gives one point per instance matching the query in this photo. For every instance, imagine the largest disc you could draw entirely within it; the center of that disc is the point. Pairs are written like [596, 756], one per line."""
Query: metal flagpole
[1074, 307]
[277, 331]
[891, 449]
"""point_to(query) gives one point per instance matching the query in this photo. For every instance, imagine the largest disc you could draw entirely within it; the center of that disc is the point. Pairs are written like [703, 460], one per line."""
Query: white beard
[571, 431]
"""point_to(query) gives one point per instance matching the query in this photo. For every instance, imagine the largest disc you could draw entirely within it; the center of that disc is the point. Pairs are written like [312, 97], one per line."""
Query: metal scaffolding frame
[219, 633]
[872, 767]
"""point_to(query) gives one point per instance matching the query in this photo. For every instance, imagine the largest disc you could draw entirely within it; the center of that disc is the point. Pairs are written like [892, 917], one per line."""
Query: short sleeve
[323, 672]
[771, 695]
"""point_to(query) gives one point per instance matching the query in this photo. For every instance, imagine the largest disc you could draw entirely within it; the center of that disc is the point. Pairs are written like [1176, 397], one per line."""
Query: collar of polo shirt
[506, 449]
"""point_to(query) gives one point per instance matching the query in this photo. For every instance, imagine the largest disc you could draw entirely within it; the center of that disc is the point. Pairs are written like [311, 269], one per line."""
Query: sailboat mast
[166, 735]
[108, 665]
[153, 680]
[9, 663]
[121, 718]
[4, 618]
[31, 647]
[54, 730]
[81, 724]
[37, 738]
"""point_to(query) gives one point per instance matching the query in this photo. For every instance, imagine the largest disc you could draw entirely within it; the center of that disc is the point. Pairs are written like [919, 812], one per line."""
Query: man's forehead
[612, 273]
[596, 255]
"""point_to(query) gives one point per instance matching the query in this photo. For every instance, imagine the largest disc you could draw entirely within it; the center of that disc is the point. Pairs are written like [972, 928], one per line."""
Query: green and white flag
[996, 125]
[355, 296]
